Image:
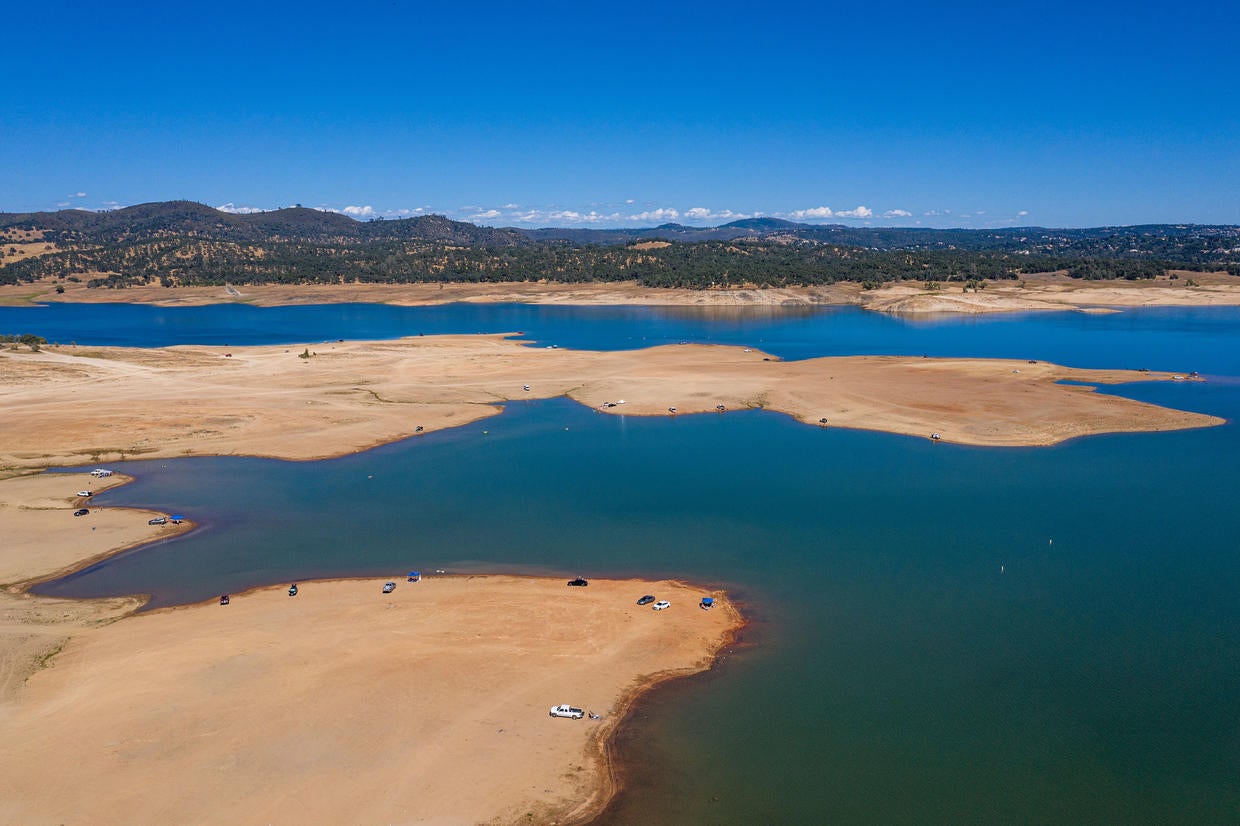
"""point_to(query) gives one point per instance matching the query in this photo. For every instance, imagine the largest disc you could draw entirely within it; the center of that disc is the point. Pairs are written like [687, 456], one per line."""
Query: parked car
[578, 582]
[292, 590]
[389, 587]
[159, 520]
[568, 711]
[81, 511]
[661, 604]
[646, 600]
[223, 599]
[85, 493]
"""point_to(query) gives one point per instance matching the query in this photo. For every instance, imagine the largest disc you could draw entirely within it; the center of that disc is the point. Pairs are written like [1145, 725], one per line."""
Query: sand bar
[344, 705]
[77, 405]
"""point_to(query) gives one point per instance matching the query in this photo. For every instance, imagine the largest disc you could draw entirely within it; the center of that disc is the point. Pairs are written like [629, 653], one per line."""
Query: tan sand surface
[77, 405]
[1046, 291]
[1053, 291]
[343, 705]
[41, 539]
[33, 630]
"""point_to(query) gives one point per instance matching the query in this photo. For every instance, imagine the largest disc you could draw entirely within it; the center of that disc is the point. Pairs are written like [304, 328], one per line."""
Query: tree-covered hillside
[183, 243]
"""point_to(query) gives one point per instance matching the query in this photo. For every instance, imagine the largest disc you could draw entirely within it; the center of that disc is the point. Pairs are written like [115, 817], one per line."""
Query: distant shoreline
[1046, 291]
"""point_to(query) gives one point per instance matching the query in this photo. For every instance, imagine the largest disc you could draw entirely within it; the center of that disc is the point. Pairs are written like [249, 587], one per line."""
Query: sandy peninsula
[42, 537]
[345, 705]
[77, 405]
[43, 540]
[1041, 291]
[428, 705]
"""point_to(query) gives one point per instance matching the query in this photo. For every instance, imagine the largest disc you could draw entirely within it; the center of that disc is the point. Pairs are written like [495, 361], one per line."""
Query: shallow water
[943, 633]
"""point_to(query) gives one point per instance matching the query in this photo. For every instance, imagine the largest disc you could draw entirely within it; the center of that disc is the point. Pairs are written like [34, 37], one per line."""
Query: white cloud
[723, 215]
[662, 215]
[512, 206]
[822, 212]
[359, 211]
[1022, 213]
[897, 213]
[62, 204]
[76, 195]
[230, 207]
[811, 213]
[590, 217]
[486, 215]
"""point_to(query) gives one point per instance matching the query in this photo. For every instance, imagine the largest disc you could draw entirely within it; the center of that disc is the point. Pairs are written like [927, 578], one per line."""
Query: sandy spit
[344, 705]
[43, 540]
[67, 405]
[429, 705]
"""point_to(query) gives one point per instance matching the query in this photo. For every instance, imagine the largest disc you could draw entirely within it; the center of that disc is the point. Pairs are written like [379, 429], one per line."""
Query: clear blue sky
[947, 114]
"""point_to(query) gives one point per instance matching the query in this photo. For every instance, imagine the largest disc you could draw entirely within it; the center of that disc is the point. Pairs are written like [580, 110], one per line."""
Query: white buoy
[1001, 569]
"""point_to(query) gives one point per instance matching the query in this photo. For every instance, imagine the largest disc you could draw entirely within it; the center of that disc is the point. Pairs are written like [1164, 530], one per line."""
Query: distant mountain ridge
[192, 219]
[182, 242]
[189, 218]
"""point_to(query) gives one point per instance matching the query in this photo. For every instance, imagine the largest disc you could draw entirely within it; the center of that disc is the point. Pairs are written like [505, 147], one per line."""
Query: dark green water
[942, 634]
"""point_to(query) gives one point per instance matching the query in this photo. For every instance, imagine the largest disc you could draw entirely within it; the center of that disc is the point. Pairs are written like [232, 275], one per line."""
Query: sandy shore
[83, 405]
[344, 705]
[42, 538]
[1046, 291]
[429, 705]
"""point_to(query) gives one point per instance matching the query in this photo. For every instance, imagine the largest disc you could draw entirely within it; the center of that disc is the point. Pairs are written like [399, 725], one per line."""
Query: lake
[941, 633]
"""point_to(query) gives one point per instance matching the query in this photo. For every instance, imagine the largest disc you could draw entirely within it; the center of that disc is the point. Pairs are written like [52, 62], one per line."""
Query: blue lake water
[1162, 338]
[942, 633]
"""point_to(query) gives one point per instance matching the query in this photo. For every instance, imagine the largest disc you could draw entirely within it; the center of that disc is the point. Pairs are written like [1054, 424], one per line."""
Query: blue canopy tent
[708, 602]
[414, 576]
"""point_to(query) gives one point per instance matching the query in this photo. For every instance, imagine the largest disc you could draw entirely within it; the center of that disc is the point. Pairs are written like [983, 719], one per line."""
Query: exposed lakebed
[944, 633]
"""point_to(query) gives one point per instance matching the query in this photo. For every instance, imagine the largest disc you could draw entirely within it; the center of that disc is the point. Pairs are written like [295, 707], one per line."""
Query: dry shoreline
[73, 405]
[73, 679]
[297, 403]
[1043, 291]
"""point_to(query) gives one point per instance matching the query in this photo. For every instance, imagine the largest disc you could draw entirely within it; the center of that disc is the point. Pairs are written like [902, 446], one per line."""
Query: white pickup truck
[567, 711]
